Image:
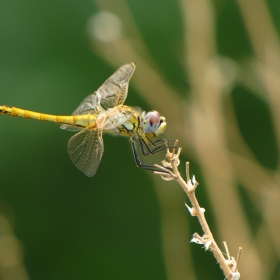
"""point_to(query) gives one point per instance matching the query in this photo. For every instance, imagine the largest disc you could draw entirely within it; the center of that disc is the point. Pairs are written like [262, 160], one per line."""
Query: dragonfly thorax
[153, 123]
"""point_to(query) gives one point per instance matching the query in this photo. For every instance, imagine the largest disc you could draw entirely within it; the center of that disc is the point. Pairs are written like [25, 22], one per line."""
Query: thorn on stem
[237, 259]
[188, 171]
[226, 248]
[205, 240]
[193, 211]
[192, 184]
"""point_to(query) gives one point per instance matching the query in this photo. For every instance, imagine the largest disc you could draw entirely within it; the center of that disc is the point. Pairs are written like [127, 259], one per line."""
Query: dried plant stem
[200, 215]
[229, 265]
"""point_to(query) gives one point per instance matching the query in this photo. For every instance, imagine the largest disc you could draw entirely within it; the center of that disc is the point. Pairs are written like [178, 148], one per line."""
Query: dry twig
[229, 265]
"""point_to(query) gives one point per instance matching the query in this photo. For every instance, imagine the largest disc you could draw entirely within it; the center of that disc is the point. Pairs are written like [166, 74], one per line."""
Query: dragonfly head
[153, 123]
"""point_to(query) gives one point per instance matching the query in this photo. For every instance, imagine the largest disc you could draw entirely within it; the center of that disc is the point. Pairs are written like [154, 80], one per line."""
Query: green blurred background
[211, 67]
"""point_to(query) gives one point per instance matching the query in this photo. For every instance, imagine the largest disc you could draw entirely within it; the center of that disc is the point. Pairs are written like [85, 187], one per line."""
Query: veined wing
[90, 105]
[114, 91]
[86, 149]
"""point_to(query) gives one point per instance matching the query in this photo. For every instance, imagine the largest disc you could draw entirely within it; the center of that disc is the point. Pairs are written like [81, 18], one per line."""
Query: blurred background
[211, 67]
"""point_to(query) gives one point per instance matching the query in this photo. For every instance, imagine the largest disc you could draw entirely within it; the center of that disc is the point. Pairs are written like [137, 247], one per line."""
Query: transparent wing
[86, 149]
[70, 127]
[114, 91]
[90, 105]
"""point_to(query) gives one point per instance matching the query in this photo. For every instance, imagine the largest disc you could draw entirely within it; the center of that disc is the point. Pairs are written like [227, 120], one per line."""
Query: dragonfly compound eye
[152, 121]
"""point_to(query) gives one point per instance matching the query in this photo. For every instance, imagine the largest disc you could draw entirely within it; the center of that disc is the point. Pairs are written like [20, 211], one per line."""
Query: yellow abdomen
[80, 120]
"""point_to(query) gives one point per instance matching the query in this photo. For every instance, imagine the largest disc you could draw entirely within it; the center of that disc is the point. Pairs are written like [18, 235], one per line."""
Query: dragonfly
[104, 111]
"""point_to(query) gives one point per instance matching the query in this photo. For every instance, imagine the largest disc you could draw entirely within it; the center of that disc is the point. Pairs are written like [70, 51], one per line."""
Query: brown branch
[229, 265]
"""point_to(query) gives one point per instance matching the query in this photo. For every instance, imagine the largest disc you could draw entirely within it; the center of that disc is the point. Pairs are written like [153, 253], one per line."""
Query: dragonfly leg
[146, 166]
[159, 145]
[160, 141]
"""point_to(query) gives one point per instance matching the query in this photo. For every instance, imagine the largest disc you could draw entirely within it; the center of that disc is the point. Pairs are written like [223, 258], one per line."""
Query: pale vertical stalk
[209, 141]
[266, 46]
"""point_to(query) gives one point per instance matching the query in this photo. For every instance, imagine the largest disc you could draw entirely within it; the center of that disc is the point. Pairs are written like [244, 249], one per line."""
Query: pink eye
[153, 117]
[153, 121]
